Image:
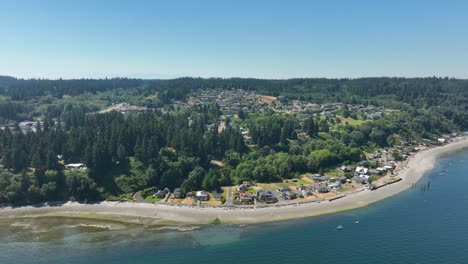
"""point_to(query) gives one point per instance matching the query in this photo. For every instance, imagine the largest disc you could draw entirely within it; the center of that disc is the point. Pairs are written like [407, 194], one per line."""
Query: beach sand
[160, 214]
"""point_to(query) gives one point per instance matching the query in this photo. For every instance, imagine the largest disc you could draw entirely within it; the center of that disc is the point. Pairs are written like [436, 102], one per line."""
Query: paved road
[138, 198]
[229, 198]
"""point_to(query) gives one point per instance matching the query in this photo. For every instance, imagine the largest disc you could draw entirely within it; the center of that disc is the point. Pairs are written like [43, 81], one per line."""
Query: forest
[173, 145]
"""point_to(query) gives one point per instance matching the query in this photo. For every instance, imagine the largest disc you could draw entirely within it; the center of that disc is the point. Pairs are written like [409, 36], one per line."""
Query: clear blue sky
[222, 38]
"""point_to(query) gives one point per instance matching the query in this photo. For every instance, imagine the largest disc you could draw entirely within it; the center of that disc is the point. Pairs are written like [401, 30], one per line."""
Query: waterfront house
[318, 187]
[359, 180]
[283, 189]
[266, 196]
[159, 194]
[178, 193]
[288, 195]
[217, 196]
[304, 190]
[202, 196]
[334, 185]
[246, 198]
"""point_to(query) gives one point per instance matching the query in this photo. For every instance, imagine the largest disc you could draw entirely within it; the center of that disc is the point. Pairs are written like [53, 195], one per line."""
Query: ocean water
[417, 226]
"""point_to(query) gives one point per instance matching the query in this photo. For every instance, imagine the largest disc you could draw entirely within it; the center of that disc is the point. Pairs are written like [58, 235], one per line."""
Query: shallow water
[415, 226]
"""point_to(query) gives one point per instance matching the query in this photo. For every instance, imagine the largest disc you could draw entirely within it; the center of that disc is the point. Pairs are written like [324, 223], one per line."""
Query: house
[322, 189]
[381, 169]
[318, 177]
[218, 196]
[283, 189]
[375, 115]
[246, 198]
[359, 180]
[318, 187]
[178, 193]
[374, 172]
[346, 168]
[342, 179]
[288, 195]
[202, 196]
[441, 140]
[266, 196]
[242, 188]
[304, 191]
[361, 170]
[388, 167]
[75, 166]
[159, 194]
[334, 185]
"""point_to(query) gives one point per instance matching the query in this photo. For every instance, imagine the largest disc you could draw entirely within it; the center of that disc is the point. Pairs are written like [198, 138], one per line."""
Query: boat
[339, 227]
[357, 222]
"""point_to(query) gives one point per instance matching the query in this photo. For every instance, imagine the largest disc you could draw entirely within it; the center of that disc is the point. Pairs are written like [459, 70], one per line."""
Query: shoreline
[410, 172]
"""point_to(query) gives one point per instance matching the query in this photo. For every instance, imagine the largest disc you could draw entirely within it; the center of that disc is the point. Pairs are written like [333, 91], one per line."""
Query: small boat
[340, 227]
[357, 222]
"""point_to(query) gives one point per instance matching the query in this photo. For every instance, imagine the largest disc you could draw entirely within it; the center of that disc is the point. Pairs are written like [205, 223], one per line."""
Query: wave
[178, 228]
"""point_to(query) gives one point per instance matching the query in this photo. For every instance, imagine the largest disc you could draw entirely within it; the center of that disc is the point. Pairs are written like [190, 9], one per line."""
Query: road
[229, 197]
[138, 198]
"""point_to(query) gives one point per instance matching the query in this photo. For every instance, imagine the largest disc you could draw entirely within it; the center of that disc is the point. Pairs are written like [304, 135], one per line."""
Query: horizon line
[227, 78]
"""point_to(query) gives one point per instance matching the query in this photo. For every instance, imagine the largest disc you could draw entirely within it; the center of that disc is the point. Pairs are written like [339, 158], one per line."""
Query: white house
[202, 196]
[362, 170]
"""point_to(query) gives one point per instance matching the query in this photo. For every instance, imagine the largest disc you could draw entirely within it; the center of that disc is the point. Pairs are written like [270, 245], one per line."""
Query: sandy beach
[159, 214]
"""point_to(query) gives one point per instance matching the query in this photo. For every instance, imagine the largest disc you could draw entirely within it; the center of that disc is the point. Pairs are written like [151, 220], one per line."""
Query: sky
[238, 38]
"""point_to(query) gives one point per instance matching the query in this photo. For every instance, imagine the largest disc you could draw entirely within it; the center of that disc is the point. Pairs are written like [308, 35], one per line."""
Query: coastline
[162, 215]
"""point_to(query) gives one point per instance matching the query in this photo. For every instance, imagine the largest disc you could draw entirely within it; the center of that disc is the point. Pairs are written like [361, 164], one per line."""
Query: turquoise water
[415, 226]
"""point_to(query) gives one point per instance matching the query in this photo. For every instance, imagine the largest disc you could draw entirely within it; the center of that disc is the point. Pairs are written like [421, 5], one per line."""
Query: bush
[149, 191]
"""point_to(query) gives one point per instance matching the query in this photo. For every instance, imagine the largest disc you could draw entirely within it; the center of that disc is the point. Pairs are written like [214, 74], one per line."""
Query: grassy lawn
[334, 173]
[152, 199]
[274, 186]
[291, 183]
[352, 122]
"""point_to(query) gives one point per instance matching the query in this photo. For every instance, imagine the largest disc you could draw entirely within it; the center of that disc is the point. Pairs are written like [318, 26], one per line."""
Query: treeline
[22, 90]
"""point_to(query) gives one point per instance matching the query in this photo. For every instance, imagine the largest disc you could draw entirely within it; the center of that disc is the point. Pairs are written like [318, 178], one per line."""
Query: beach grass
[152, 199]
